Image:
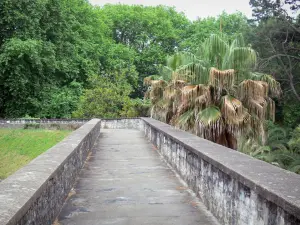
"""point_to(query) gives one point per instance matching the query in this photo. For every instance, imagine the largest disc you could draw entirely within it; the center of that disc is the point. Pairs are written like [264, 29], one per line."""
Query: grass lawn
[18, 147]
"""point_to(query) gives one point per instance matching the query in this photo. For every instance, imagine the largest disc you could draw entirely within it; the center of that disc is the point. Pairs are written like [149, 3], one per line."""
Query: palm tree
[215, 93]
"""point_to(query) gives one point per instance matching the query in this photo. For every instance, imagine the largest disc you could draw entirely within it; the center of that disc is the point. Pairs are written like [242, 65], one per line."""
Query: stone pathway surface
[126, 182]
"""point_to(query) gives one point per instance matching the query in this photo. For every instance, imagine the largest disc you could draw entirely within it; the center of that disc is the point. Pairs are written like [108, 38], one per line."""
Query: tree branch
[287, 72]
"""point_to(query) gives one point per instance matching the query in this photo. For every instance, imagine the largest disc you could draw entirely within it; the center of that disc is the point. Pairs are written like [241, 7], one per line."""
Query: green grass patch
[18, 147]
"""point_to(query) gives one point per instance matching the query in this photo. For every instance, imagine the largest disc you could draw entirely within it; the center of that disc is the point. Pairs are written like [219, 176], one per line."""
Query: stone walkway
[126, 182]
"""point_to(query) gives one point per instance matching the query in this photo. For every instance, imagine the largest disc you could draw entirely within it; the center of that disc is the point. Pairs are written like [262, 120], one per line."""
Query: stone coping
[23, 121]
[277, 185]
[16, 120]
[21, 190]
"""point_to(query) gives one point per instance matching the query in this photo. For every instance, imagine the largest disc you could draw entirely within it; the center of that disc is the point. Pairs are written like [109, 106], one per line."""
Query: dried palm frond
[173, 89]
[209, 123]
[274, 86]
[254, 94]
[162, 111]
[236, 117]
[204, 96]
[157, 88]
[186, 121]
[178, 83]
[148, 80]
[172, 93]
[253, 89]
[221, 79]
[233, 111]
[189, 93]
[271, 109]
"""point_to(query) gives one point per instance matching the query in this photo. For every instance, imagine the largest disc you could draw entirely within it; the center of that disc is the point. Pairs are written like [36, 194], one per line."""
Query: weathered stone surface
[127, 182]
[51, 124]
[133, 123]
[36, 193]
[27, 121]
[236, 188]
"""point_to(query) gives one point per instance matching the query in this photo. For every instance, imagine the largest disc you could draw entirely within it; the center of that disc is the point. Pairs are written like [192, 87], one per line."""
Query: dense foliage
[64, 58]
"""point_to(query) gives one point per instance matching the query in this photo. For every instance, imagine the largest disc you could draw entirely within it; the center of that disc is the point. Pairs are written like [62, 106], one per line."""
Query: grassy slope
[18, 147]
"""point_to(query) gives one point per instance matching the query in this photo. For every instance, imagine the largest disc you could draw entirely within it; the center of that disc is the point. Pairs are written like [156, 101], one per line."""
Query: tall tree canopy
[276, 37]
[201, 29]
[152, 32]
[45, 44]
[266, 9]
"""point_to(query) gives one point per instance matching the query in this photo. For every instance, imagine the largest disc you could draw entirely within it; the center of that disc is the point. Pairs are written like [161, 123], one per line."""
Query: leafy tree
[46, 43]
[136, 108]
[225, 24]
[215, 93]
[105, 99]
[59, 102]
[278, 48]
[266, 9]
[25, 68]
[152, 32]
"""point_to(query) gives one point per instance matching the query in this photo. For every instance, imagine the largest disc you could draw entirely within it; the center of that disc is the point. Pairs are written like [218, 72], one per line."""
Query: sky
[192, 8]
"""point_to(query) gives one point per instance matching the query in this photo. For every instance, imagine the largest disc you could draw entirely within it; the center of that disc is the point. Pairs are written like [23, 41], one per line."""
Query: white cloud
[192, 8]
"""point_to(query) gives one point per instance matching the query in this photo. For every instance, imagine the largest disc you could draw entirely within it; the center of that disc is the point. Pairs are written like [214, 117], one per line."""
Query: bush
[294, 143]
[136, 108]
[291, 114]
[60, 102]
[105, 99]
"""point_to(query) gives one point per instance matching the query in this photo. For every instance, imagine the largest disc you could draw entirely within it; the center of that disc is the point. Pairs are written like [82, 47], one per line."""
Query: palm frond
[209, 123]
[233, 111]
[238, 41]
[254, 94]
[274, 86]
[215, 48]
[195, 73]
[179, 59]
[209, 116]
[148, 80]
[187, 120]
[166, 73]
[240, 58]
[221, 79]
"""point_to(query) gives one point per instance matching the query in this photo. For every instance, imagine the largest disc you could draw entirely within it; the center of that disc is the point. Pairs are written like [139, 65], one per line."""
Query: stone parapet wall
[236, 188]
[23, 121]
[123, 123]
[50, 124]
[36, 193]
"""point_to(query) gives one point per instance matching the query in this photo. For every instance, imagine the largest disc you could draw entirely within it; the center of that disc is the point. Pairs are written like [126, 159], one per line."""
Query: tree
[278, 48]
[201, 29]
[25, 69]
[266, 9]
[45, 46]
[215, 93]
[105, 98]
[152, 32]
